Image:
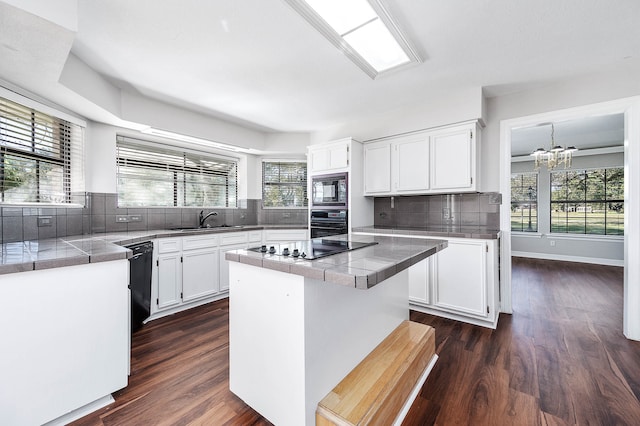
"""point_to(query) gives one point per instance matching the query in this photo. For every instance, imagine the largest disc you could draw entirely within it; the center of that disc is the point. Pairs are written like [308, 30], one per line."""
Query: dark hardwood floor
[559, 359]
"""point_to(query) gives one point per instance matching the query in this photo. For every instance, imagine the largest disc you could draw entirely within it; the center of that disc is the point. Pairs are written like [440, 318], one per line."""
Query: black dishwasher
[140, 267]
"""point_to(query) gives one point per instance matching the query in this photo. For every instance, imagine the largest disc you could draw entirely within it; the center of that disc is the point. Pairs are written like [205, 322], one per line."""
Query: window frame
[34, 133]
[178, 163]
[585, 202]
[304, 185]
[537, 203]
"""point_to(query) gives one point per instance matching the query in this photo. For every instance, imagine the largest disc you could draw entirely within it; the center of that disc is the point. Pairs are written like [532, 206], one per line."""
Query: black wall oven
[329, 191]
[325, 223]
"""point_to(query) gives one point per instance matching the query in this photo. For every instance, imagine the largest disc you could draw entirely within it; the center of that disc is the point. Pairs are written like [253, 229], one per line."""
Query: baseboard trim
[170, 311]
[565, 258]
[81, 412]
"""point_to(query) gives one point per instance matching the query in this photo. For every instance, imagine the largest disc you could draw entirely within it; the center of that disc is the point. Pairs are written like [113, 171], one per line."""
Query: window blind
[154, 175]
[41, 157]
[284, 183]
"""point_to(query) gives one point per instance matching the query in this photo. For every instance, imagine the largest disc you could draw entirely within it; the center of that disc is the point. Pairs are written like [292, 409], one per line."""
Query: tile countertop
[476, 232]
[362, 268]
[25, 256]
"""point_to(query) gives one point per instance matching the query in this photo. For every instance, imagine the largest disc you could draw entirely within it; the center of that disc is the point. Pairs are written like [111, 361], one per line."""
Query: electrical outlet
[45, 221]
[552, 243]
[446, 213]
[122, 218]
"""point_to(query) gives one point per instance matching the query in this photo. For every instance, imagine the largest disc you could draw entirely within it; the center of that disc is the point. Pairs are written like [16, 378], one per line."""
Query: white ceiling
[258, 63]
[600, 131]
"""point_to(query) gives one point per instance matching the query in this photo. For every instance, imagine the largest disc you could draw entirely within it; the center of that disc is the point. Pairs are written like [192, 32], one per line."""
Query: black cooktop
[311, 249]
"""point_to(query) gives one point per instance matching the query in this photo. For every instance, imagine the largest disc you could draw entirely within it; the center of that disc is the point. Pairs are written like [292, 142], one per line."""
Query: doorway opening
[629, 109]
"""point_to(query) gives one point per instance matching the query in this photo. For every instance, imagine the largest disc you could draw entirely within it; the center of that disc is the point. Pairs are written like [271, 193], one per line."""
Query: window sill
[42, 205]
[563, 236]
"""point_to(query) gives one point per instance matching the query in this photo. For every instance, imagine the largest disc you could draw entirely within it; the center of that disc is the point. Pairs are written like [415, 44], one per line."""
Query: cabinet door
[452, 165]
[199, 274]
[419, 282]
[328, 157]
[338, 156]
[411, 164]
[224, 264]
[318, 159]
[461, 278]
[377, 168]
[169, 280]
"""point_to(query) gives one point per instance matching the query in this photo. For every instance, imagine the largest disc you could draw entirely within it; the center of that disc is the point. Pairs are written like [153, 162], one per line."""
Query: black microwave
[329, 190]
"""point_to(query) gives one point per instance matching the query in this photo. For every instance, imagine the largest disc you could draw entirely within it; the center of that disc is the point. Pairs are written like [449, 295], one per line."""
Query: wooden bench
[380, 390]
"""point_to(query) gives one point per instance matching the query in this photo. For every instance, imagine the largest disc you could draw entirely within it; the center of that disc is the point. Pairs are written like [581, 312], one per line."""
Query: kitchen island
[297, 327]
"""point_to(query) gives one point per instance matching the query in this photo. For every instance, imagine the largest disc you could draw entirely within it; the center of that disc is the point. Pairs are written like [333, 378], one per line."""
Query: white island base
[292, 339]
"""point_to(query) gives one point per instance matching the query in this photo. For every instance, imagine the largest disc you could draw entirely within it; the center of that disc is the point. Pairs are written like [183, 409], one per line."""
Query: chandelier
[554, 157]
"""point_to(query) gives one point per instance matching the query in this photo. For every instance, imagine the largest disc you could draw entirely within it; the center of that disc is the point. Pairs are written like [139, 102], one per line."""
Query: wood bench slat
[377, 388]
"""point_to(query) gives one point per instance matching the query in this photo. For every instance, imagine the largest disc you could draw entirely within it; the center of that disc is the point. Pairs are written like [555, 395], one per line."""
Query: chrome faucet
[203, 218]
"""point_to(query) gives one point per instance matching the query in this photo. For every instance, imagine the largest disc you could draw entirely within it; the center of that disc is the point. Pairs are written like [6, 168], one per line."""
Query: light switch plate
[45, 221]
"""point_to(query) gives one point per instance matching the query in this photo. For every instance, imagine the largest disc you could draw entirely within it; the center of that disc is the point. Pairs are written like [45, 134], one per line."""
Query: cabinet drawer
[200, 241]
[233, 238]
[255, 236]
[169, 245]
[285, 235]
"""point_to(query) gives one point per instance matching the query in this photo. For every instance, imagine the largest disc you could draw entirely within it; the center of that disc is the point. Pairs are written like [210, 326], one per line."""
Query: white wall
[140, 109]
[100, 155]
[60, 12]
[451, 106]
[585, 90]
[288, 144]
[589, 89]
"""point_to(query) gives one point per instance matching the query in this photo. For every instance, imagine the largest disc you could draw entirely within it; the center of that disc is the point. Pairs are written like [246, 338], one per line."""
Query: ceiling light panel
[377, 46]
[343, 15]
[362, 29]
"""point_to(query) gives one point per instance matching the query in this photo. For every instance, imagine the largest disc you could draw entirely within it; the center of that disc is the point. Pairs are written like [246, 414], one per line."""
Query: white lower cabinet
[237, 240]
[460, 282]
[198, 281]
[420, 279]
[169, 273]
[185, 273]
[463, 282]
[192, 270]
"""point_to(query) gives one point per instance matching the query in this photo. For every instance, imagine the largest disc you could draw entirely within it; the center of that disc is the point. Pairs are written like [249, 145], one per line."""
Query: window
[588, 201]
[41, 157]
[154, 175]
[284, 184]
[524, 202]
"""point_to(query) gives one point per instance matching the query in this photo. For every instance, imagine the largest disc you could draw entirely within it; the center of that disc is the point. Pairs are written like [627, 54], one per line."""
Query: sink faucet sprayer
[203, 218]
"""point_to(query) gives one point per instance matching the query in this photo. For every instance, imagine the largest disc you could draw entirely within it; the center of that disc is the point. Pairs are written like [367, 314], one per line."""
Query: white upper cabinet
[453, 163]
[329, 157]
[410, 164]
[427, 162]
[377, 178]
